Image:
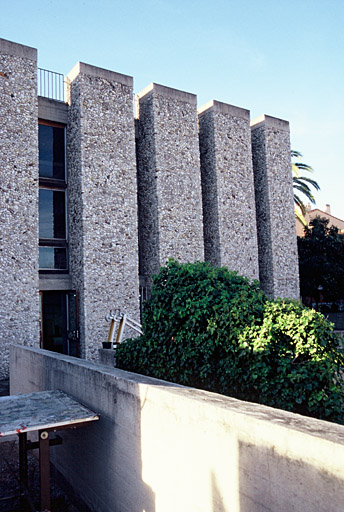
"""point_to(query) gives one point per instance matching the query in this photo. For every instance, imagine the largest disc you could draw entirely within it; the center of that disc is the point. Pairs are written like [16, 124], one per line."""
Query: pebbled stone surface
[170, 202]
[230, 233]
[278, 256]
[102, 203]
[19, 308]
[124, 221]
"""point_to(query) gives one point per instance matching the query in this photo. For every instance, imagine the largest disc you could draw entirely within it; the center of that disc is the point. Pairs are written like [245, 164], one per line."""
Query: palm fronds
[302, 184]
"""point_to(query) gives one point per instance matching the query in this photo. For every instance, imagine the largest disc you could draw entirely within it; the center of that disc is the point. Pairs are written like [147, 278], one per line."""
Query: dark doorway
[59, 326]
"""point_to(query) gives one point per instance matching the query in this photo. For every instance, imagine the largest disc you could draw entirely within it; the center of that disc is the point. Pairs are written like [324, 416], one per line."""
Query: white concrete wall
[159, 447]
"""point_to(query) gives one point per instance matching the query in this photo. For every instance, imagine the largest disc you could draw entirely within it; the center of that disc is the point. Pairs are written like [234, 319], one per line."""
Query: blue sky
[277, 57]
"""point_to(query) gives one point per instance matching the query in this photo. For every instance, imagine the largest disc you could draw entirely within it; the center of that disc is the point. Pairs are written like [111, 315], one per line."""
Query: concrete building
[92, 207]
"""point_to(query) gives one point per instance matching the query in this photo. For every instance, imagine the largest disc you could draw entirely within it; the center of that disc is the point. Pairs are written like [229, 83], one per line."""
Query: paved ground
[8, 477]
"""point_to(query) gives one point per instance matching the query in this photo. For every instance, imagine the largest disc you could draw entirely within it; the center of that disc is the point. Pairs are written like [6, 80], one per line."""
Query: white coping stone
[225, 108]
[168, 92]
[270, 122]
[19, 50]
[88, 69]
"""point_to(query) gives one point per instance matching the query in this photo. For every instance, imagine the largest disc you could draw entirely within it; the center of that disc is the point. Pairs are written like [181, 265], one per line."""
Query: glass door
[59, 322]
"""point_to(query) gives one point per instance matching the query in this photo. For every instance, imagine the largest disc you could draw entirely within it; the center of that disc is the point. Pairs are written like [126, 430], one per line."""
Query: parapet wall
[160, 447]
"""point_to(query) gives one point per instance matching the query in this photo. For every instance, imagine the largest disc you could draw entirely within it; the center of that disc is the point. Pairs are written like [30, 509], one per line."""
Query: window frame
[60, 186]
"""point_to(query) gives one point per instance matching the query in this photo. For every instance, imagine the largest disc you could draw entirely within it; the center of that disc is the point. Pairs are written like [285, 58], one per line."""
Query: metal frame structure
[119, 321]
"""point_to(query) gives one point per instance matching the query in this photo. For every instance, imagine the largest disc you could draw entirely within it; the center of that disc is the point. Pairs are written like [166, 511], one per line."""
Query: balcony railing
[50, 84]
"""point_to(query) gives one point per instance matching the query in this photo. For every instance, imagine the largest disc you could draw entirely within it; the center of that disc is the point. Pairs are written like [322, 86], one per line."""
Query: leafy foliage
[190, 324]
[321, 260]
[211, 328]
[295, 362]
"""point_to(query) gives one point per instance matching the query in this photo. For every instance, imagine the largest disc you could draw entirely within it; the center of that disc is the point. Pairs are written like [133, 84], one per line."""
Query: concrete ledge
[224, 108]
[18, 50]
[52, 110]
[55, 282]
[88, 69]
[168, 92]
[270, 122]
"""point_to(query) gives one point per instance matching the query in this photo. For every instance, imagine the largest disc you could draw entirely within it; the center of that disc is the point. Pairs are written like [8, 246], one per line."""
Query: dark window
[52, 213]
[51, 258]
[51, 152]
[52, 199]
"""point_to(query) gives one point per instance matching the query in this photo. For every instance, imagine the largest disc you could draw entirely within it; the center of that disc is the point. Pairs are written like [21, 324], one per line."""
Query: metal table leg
[23, 458]
[23, 470]
[44, 465]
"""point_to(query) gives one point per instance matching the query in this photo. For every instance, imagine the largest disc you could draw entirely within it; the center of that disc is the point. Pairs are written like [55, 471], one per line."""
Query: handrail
[119, 321]
[50, 84]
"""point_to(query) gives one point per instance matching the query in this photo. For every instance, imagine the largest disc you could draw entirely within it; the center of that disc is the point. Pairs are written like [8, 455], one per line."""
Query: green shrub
[294, 362]
[210, 328]
[190, 324]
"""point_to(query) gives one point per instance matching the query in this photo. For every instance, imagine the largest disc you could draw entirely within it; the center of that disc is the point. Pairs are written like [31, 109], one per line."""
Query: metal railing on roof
[50, 84]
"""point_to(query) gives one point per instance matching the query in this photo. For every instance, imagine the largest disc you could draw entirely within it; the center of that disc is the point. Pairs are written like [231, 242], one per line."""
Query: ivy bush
[294, 362]
[210, 328]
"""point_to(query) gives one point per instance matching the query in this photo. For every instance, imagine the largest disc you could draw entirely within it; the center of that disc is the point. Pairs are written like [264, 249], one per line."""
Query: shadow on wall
[109, 472]
[271, 482]
[217, 498]
[112, 474]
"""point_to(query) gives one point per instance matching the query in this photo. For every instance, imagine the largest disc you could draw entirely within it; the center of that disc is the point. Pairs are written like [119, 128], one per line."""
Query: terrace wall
[160, 447]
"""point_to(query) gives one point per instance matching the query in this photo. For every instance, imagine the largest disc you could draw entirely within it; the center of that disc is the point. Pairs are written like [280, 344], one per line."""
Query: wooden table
[44, 412]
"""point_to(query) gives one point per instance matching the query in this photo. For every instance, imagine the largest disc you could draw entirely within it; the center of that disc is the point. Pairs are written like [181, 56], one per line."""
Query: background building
[315, 212]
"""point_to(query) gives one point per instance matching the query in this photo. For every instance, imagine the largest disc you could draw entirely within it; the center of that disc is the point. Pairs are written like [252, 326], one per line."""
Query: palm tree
[302, 184]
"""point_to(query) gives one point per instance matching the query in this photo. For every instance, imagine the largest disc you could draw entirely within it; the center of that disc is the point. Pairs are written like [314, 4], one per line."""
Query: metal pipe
[123, 321]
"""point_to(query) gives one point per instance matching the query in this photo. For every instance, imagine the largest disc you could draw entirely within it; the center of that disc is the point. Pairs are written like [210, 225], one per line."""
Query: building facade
[94, 201]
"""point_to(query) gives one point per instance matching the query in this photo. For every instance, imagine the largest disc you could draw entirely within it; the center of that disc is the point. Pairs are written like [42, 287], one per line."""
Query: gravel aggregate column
[277, 242]
[170, 201]
[230, 233]
[19, 309]
[102, 200]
